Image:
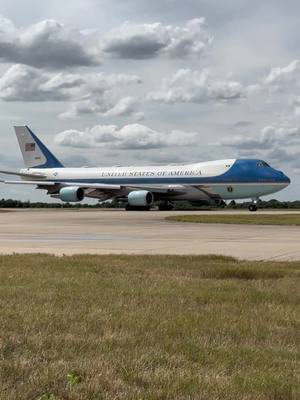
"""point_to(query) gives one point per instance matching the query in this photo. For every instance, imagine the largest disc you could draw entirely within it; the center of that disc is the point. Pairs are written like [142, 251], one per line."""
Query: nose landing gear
[254, 205]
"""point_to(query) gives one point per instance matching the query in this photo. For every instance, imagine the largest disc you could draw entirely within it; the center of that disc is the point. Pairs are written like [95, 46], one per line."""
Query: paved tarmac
[66, 231]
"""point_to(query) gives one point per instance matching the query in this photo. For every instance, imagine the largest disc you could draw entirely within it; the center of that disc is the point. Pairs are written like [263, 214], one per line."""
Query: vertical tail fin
[35, 153]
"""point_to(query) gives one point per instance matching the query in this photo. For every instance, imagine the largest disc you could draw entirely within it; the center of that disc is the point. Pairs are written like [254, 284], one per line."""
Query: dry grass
[148, 327]
[248, 219]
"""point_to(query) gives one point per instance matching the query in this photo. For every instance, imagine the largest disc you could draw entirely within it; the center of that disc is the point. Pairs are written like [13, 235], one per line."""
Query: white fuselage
[214, 178]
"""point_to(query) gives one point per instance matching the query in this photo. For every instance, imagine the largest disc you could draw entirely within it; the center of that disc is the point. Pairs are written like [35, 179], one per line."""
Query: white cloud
[106, 106]
[289, 73]
[51, 44]
[21, 83]
[133, 136]
[189, 86]
[48, 44]
[141, 41]
[125, 106]
[87, 93]
[281, 81]
[270, 136]
[283, 134]
[275, 142]
[60, 81]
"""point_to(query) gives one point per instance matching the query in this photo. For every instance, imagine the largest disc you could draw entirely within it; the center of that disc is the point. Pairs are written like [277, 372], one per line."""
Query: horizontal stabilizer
[32, 176]
[44, 183]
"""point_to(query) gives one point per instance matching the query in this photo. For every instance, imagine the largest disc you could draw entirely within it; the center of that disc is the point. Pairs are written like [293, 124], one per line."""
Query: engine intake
[140, 198]
[71, 194]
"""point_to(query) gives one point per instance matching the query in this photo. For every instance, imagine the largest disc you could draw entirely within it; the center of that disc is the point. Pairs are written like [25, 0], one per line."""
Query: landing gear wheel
[252, 207]
[165, 207]
[223, 204]
[128, 207]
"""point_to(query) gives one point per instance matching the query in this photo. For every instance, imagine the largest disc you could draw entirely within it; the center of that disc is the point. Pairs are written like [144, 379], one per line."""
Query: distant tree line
[273, 203]
[10, 203]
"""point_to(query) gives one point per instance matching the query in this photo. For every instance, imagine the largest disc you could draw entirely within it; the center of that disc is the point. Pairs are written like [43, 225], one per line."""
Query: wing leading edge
[170, 189]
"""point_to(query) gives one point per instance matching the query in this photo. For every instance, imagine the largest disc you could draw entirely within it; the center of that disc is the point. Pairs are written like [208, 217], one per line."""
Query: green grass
[148, 327]
[249, 219]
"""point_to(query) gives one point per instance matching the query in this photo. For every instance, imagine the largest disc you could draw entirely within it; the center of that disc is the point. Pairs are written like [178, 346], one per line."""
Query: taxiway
[65, 231]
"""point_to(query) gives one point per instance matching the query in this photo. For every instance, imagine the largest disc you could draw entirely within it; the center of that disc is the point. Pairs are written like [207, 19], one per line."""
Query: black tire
[252, 207]
[165, 207]
[128, 207]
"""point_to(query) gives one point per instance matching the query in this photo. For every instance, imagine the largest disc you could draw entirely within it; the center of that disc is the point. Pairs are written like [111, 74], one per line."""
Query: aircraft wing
[63, 184]
[109, 191]
[175, 189]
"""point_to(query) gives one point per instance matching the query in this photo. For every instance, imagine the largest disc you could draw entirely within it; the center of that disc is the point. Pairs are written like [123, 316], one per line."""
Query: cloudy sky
[106, 82]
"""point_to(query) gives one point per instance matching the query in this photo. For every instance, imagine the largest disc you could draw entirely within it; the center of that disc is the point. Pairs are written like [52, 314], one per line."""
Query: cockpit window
[262, 164]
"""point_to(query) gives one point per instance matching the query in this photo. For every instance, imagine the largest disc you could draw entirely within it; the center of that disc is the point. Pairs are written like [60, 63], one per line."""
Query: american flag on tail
[29, 146]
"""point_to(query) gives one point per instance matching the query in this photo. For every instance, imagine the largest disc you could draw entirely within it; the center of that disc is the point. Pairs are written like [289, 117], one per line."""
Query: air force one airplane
[140, 188]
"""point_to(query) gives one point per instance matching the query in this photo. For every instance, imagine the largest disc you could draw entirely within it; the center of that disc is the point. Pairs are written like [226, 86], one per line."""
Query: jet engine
[71, 194]
[140, 198]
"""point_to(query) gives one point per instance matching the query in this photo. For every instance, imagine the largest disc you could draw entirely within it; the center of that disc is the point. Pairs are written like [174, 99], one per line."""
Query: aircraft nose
[284, 178]
[287, 180]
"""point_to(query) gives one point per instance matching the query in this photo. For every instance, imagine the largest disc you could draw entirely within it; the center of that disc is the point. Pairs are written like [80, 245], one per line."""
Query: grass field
[252, 219]
[148, 327]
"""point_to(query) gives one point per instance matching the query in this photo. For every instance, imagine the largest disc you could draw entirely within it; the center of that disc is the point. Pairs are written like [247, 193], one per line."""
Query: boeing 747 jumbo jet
[142, 187]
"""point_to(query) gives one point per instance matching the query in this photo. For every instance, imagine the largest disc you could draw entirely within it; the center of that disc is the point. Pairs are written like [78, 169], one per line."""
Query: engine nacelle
[140, 198]
[71, 194]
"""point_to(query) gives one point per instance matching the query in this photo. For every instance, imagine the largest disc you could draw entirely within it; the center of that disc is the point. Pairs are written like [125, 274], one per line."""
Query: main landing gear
[128, 207]
[253, 206]
[166, 206]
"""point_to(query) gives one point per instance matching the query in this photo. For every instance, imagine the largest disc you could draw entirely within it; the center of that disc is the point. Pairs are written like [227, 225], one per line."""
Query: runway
[65, 231]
